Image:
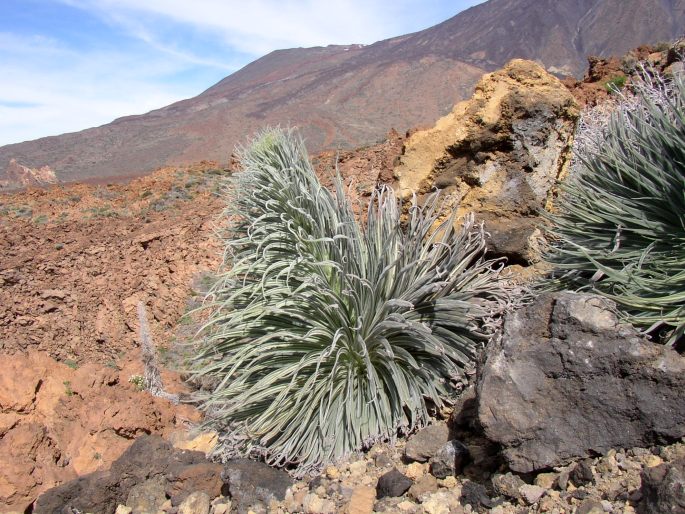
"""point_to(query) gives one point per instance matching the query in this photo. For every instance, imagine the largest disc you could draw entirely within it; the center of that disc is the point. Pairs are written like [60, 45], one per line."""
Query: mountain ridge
[343, 96]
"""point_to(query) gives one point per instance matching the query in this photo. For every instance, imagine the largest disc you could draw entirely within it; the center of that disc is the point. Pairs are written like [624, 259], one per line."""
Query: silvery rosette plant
[325, 334]
[620, 226]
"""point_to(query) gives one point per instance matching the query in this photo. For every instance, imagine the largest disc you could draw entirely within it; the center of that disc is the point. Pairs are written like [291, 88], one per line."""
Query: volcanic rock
[568, 380]
[19, 176]
[663, 489]
[393, 483]
[498, 155]
[508, 485]
[250, 482]
[196, 503]
[148, 496]
[425, 443]
[139, 477]
[58, 422]
[449, 460]
[582, 474]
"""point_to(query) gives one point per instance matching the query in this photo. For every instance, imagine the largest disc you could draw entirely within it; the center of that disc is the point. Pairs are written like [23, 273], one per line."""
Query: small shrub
[67, 388]
[22, 211]
[104, 211]
[620, 229]
[615, 84]
[326, 335]
[662, 46]
[71, 363]
[138, 381]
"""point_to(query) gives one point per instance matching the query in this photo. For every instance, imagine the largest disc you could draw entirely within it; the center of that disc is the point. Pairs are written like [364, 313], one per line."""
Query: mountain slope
[352, 95]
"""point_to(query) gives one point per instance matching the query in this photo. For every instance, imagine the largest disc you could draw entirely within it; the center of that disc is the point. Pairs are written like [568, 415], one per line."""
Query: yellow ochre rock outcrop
[498, 154]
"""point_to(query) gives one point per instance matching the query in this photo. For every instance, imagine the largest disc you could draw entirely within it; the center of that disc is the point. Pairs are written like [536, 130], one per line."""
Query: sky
[66, 65]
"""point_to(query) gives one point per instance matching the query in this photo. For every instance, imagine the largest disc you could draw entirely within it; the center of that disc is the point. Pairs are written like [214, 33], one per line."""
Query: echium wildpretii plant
[327, 335]
[620, 226]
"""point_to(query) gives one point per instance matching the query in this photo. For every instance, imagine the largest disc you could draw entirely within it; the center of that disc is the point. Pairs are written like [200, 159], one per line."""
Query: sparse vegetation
[620, 229]
[103, 211]
[67, 388]
[615, 84]
[138, 382]
[325, 335]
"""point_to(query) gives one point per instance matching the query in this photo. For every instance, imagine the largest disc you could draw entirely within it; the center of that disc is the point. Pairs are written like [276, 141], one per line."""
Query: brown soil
[76, 261]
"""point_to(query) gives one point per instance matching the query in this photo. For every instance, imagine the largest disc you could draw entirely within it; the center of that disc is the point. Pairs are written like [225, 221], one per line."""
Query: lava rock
[582, 474]
[202, 477]
[565, 366]
[149, 460]
[424, 485]
[449, 460]
[393, 483]
[195, 503]
[508, 485]
[663, 489]
[148, 496]
[250, 482]
[426, 442]
[475, 494]
[504, 151]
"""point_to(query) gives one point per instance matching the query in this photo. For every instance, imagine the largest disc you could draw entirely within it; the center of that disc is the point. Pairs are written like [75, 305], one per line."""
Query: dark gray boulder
[582, 474]
[567, 380]
[663, 489]
[449, 460]
[252, 483]
[392, 484]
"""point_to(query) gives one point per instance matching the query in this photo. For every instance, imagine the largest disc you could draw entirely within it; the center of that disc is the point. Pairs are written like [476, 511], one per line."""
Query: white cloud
[259, 26]
[51, 89]
[256, 27]
[161, 51]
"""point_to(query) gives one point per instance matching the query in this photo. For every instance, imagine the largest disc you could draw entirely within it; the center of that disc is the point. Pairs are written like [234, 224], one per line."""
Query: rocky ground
[77, 260]
[418, 476]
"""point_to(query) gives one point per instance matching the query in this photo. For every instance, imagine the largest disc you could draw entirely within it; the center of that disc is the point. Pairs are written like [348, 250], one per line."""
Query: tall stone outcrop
[498, 154]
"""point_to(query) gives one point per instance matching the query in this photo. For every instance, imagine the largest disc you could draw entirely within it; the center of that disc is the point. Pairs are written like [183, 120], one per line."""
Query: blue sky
[67, 65]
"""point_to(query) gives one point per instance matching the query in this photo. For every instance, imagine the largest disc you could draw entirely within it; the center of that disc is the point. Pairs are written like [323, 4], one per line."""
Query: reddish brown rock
[67, 422]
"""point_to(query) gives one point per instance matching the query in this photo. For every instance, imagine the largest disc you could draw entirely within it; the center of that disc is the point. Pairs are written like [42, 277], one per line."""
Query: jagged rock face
[19, 176]
[567, 380]
[498, 154]
[57, 422]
